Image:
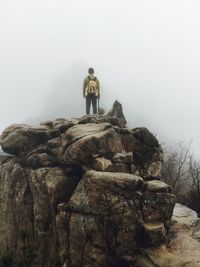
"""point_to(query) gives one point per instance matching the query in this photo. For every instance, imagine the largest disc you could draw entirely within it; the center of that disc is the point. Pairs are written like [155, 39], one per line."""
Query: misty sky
[146, 54]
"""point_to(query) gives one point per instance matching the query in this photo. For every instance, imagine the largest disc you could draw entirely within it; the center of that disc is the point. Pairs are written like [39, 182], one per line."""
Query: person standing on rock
[91, 91]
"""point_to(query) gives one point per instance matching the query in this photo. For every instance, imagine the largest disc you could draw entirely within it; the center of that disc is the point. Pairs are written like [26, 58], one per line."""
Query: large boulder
[117, 112]
[183, 215]
[148, 154]
[20, 138]
[107, 221]
[29, 202]
[81, 192]
[182, 249]
[82, 141]
[88, 140]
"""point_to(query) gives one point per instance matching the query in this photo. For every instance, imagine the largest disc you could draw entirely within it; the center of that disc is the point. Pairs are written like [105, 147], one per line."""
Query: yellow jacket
[85, 85]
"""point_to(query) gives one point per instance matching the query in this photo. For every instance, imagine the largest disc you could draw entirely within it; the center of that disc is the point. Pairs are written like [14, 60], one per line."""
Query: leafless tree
[194, 184]
[175, 167]
[182, 171]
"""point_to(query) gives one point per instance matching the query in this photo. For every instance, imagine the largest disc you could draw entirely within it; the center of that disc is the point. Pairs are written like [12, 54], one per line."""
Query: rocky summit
[84, 192]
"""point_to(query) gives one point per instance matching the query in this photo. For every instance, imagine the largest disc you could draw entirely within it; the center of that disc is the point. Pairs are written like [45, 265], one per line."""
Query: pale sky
[146, 54]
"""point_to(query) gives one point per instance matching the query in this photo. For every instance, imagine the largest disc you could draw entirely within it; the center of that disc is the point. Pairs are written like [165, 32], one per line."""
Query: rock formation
[183, 245]
[81, 193]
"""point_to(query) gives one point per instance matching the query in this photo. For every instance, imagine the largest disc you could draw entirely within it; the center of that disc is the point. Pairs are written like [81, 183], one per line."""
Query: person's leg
[94, 104]
[88, 103]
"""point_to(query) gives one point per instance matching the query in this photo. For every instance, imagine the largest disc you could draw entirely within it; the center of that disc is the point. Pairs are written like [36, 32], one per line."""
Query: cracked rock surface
[82, 193]
[183, 246]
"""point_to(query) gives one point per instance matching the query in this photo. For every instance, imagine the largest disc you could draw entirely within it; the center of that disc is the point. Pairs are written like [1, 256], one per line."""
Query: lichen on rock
[86, 192]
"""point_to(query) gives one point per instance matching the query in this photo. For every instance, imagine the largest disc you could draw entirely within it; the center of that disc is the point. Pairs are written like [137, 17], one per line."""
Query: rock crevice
[81, 193]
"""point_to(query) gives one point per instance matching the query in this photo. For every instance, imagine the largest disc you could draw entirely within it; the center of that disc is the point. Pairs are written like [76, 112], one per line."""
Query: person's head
[91, 71]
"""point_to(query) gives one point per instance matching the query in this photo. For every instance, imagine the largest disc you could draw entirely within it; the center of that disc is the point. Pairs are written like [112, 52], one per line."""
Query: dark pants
[91, 99]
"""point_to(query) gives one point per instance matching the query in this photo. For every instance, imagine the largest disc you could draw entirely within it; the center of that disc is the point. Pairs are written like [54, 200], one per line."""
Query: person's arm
[98, 88]
[85, 83]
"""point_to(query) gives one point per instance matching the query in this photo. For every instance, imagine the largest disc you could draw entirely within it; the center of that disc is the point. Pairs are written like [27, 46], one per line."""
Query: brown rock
[103, 141]
[54, 206]
[155, 234]
[158, 206]
[158, 186]
[104, 217]
[123, 158]
[117, 111]
[182, 249]
[114, 121]
[20, 138]
[102, 164]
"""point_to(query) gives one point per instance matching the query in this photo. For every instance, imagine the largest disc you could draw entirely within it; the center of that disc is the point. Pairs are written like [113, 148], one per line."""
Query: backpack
[92, 86]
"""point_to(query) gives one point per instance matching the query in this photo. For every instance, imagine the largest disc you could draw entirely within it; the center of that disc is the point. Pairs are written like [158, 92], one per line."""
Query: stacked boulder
[82, 192]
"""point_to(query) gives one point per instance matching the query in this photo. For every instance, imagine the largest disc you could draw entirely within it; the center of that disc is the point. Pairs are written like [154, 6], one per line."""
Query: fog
[145, 53]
